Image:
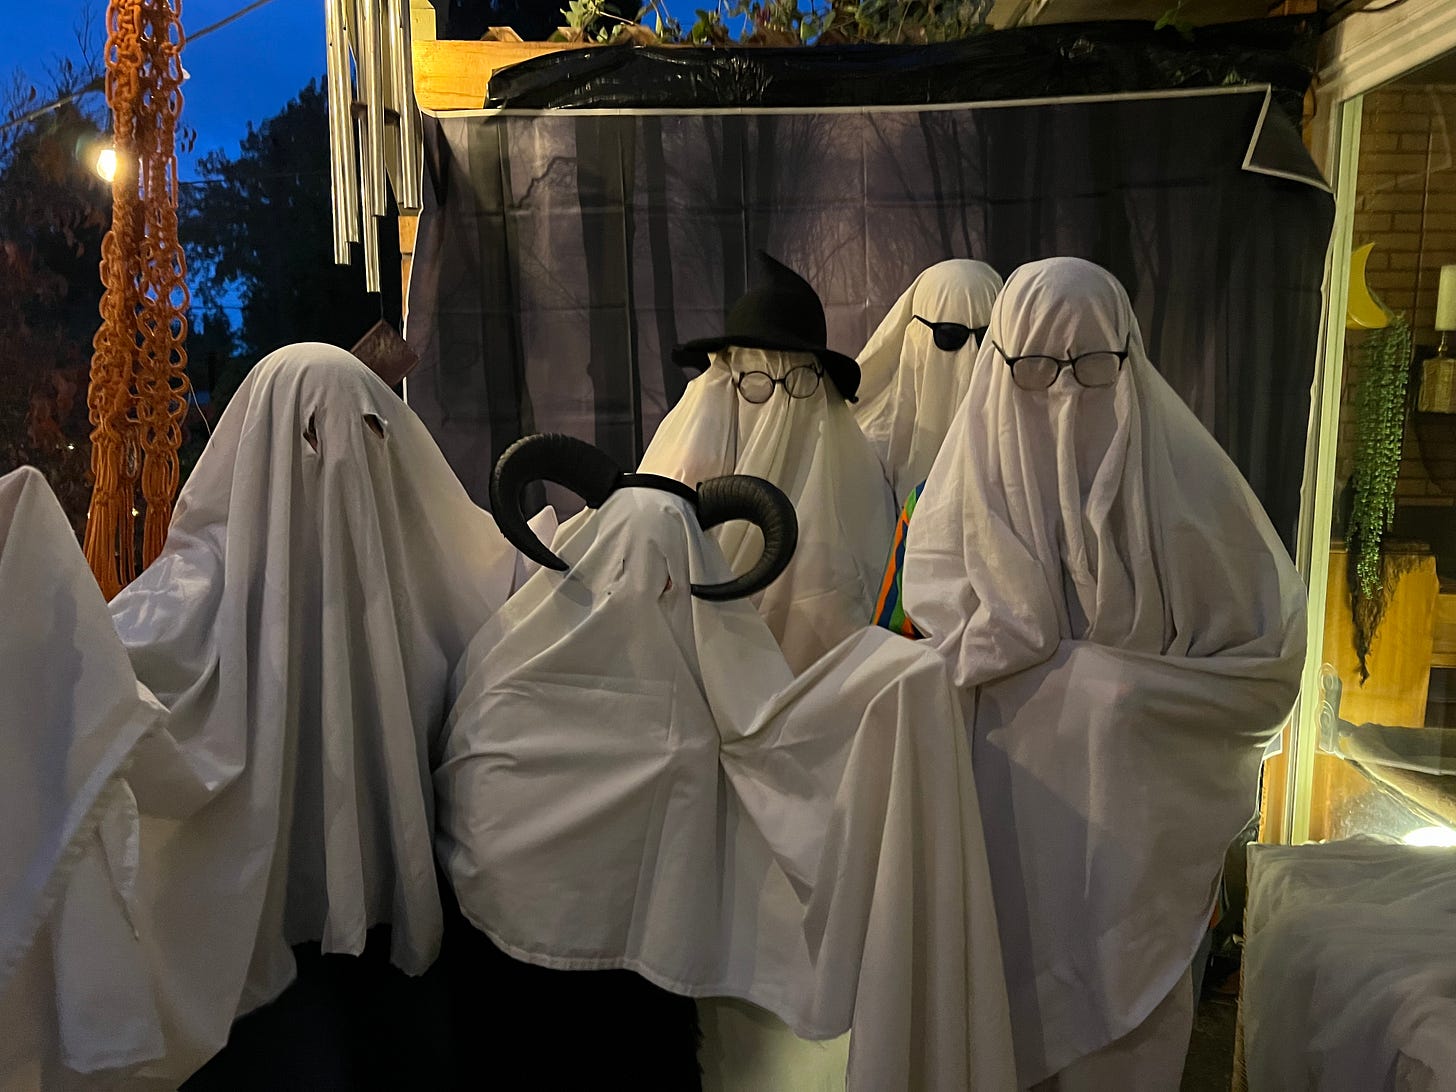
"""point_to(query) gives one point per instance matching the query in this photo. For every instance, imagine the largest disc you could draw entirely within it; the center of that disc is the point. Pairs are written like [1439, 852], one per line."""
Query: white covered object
[1350, 968]
[909, 389]
[812, 449]
[665, 797]
[1130, 632]
[74, 996]
[323, 572]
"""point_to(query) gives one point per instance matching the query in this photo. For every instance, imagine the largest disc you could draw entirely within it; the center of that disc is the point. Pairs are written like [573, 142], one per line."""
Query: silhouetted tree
[257, 229]
[53, 214]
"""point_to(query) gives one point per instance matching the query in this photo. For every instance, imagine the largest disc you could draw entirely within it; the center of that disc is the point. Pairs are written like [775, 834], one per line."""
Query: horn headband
[591, 474]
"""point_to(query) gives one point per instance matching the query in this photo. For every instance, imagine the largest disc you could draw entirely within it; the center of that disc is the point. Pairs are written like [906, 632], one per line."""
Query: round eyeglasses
[1038, 373]
[757, 387]
[950, 336]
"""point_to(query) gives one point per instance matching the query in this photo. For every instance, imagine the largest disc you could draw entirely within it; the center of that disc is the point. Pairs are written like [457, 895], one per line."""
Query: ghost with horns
[632, 777]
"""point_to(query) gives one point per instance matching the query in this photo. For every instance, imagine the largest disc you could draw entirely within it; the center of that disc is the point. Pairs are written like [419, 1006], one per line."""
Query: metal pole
[341, 127]
[408, 186]
[367, 54]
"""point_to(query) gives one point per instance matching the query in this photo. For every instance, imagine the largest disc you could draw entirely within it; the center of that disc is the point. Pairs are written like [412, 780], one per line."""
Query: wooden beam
[424, 23]
[456, 75]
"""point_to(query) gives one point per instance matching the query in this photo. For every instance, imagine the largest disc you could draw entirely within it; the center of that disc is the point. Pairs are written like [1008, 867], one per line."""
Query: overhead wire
[99, 83]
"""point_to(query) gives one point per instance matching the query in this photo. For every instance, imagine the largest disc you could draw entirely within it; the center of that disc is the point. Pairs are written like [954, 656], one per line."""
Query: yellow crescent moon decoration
[1362, 310]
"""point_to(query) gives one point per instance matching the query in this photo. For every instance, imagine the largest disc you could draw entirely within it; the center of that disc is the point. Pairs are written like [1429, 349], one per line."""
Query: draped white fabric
[664, 796]
[1128, 632]
[910, 389]
[812, 449]
[74, 995]
[323, 573]
[1350, 968]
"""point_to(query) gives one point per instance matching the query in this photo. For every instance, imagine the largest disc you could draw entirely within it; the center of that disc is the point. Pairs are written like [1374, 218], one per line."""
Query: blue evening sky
[243, 72]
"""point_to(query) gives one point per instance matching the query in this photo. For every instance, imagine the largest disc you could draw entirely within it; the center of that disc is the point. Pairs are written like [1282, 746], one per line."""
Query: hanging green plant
[1380, 412]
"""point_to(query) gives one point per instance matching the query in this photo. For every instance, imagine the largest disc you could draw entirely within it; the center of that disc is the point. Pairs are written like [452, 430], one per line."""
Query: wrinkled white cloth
[909, 389]
[1350, 968]
[323, 572]
[812, 449]
[1150, 1057]
[75, 999]
[664, 796]
[1128, 630]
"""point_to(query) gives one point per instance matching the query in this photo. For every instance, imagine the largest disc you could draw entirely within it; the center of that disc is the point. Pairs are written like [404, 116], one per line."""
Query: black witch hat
[783, 312]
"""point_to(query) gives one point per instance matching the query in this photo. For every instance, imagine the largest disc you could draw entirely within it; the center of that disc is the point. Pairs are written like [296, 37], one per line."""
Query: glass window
[1385, 758]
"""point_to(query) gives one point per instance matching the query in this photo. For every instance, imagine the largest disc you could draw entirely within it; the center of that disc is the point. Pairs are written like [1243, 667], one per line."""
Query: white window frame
[1359, 54]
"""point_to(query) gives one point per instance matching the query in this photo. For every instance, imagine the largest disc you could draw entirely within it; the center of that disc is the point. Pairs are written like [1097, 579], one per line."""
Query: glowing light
[106, 164]
[1431, 836]
[135, 512]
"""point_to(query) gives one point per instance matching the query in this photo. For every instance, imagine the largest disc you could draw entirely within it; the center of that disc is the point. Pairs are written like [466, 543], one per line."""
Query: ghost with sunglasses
[917, 365]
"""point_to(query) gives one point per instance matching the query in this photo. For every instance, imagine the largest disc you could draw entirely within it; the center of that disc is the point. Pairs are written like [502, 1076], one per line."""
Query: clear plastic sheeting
[1417, 748]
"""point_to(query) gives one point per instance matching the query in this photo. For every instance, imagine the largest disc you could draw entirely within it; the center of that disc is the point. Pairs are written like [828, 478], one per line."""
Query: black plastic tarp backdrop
[563, 252]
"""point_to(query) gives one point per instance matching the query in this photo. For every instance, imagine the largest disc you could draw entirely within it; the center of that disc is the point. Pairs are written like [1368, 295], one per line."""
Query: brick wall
[1406, 205]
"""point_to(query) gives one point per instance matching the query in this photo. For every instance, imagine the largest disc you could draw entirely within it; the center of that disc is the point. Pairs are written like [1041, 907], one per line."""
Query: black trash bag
[1059, 60]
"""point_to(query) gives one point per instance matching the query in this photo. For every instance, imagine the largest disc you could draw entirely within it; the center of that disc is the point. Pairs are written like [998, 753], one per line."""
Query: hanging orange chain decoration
[139, 387]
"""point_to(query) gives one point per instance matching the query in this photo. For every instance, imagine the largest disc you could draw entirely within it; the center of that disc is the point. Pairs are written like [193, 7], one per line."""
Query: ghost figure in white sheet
[75, 992]
[323, 572]
[803, 438]
[1129, 632]
[773, 402]
[916, 366]
[632, 777]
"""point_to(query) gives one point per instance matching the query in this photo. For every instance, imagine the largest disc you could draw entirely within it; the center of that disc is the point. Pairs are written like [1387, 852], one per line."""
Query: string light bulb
[105, 166]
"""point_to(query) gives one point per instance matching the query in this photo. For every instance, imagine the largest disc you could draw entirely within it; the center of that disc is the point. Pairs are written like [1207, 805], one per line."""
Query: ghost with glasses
[1126, 631]
[774, 402]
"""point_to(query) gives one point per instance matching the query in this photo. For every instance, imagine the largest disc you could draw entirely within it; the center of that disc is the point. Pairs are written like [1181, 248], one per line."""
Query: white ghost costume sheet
[1350, 968]
[812, 450]
[323, 572]
[1128, 631]
[909, 388]
[664, 796]
[75, 996]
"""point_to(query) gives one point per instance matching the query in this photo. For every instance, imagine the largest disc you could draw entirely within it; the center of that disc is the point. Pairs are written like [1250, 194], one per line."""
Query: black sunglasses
[950, 336]
[1035, 372]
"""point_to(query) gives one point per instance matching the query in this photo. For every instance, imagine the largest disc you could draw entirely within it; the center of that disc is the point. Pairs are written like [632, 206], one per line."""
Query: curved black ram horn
[739, 496]
[574, 464]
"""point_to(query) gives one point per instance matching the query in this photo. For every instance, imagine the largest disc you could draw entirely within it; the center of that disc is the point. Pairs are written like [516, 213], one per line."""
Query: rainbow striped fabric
[890, 608]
